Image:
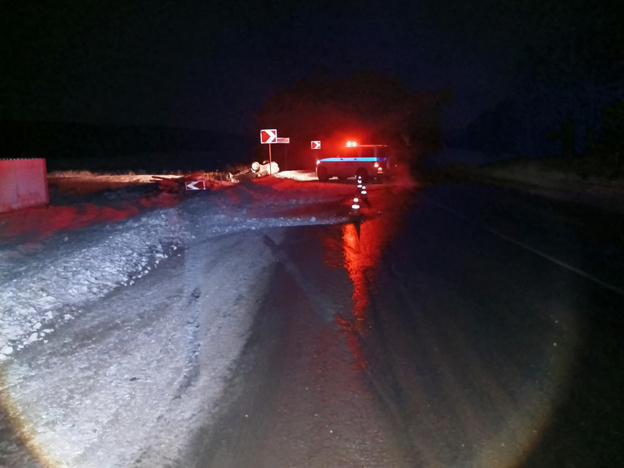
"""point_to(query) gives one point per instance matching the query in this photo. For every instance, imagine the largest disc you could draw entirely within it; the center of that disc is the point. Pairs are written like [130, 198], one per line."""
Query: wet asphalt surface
[457, 327]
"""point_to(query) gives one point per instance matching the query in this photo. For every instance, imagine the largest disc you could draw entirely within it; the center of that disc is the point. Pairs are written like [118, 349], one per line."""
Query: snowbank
[109, 359]
[74, 268]
[34, 290]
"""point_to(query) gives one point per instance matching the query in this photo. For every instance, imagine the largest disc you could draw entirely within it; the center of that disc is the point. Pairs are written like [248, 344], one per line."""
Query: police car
[365, 161]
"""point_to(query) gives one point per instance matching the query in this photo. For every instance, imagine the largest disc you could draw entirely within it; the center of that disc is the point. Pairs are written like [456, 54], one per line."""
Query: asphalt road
[457, 327]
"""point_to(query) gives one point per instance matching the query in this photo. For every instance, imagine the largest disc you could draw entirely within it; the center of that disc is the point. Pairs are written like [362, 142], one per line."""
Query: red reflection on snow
[45, 221]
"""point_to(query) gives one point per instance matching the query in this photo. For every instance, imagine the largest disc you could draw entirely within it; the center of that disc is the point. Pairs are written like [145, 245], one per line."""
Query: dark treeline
[77, 146]
[367, 107]
[566, 93]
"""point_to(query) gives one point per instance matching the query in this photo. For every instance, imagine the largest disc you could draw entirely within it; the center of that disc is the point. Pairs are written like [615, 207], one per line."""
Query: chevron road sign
[196, 185]
[268, 136]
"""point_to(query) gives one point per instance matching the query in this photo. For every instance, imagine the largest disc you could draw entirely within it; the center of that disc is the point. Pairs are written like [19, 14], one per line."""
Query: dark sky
[212, 64]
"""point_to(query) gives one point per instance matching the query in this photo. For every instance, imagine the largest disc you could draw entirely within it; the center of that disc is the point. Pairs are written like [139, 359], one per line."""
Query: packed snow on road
[123, 311]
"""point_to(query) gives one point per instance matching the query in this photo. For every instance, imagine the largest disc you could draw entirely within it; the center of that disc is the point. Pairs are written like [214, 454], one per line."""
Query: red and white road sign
[268, 136]
[196, 185]
[282, 140]
[315, 144]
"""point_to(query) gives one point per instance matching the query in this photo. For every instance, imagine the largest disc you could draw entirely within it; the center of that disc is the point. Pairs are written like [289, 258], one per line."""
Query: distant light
[318, 162]
[364, 192]
[376, 164]
[351, 144]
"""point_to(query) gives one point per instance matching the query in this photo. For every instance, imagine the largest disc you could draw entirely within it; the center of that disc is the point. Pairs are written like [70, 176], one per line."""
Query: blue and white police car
[365, 161]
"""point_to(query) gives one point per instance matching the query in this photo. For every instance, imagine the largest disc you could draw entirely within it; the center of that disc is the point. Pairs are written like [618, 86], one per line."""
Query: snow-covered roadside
[130, 382]
[533, 175]
[104, 365]
[62, 279]
[76, 268]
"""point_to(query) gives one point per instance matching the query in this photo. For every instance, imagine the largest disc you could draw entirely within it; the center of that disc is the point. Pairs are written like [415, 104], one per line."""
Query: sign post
[285, 140]
[268, 136]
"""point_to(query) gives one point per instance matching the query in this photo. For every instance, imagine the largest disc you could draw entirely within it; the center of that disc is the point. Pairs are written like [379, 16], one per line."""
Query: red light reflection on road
[362, 251]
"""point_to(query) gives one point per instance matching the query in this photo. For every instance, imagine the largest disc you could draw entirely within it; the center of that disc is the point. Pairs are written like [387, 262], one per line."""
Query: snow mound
[73, 268]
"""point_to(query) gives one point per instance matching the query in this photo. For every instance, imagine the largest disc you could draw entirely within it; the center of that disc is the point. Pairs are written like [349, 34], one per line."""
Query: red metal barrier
[23, 183]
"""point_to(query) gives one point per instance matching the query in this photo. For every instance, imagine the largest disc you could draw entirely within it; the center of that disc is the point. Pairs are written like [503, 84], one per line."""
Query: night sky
[212, 65]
